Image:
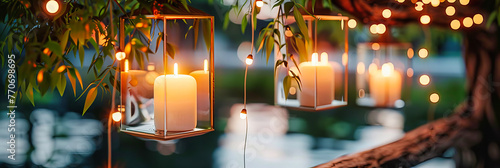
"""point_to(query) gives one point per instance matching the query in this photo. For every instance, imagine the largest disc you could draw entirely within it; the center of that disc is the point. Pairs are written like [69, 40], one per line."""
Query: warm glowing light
[205, 65]
[435, 3]
[450, 10]
[151, 67]
[120, 55]
[176, 69]
[314, 58]
[324, 58]
[376, 46]
[423, 53]
[426, 1]
[117, 116]
[46, 51]
[61, 68]
[464, 2]
[373, 29]
[467, 22]
[39, 77]
[424, 80]
[288, 32]
[387, 69]
[52, 6]
[419, 6]
[478, 18]
[372, 68]
[425, 19]
[243, 114]
[125, 68]
[342, 24]
[249, 60]
[381, 28]
[386, 13]
[452, 1]
[293, 91]
[401, 1]
[352, 23]
[434, 98]
[409, 72]
[293, 71]
[345, 59]
[361, 93]
[259, 4]
[361, 68]
[455, 24]
[410, 53]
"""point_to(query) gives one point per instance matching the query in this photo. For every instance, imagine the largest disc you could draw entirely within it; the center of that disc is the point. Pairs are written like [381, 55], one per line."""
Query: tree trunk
[473, 131]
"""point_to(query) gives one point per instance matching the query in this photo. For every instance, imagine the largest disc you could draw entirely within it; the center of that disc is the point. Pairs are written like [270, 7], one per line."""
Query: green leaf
[244, 24]
[491, 18]
[207, 33]
[64, 40]
[30, 94]
[313, 5]
[278, 63]
[196, 25]
[54, 47]
[226, 21]
[269, 47]
[301, 23]
[288, 7]
[295, 62]
[61, 85]
[158, 40]
[287, 82]
[278, 3]
[98, 64]
[171, 50]
[72, 80]
[90, 99]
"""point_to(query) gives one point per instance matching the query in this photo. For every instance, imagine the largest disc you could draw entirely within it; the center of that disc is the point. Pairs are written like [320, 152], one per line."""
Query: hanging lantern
[311, 68]
[167, 86]
[383, 68]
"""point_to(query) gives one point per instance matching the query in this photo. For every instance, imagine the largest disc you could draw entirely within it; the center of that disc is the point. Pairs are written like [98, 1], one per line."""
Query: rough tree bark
[473, 131]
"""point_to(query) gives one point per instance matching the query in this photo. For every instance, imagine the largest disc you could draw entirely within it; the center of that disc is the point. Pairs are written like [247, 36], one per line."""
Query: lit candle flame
[387, 69]
[314, 58]
[205, 65]
[324, 57]
[126, 66]
[176, 71]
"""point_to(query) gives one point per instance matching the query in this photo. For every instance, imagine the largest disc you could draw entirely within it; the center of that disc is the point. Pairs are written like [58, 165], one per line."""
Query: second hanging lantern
[311, 66]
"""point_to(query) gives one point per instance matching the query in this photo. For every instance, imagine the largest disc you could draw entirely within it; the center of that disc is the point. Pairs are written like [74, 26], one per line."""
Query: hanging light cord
[245, 83]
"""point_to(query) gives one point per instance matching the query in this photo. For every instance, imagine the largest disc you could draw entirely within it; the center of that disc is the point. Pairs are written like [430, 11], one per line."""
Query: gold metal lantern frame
[157, 100]
[324, 75]
[383, 74]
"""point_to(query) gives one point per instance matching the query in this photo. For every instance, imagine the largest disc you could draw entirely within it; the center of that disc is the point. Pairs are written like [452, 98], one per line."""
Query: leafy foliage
[47, 43]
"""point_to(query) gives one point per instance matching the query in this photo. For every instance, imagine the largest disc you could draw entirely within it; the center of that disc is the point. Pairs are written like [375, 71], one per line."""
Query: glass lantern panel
[316, 73]
[168, 93]
[381, 73]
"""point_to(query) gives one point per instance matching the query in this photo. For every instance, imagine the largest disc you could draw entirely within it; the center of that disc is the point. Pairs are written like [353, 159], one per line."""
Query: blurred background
[53, 133]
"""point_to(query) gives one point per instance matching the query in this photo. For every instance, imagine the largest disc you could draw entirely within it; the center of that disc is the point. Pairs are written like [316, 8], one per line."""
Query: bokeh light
[386, 13]
[434, 97]
[455, 24]
[478, 18]
[352, 23]
[425, 19]
[424, 80]
[423, 53]
[450, 10]
[467, 22]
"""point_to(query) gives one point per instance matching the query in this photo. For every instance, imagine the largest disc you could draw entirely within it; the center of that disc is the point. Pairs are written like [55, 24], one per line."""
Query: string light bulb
[423, 53]
[424, 80]
[120, 55]
[381, 28]
[259, 4]
[386, 13]
[455, 24]
[117, 116]
[450, 10]
[467, 22]
[52, 6]
[243, 114]
[351, 23]
[425, 19]
[249, 59]
[434, 97]
[478, 18]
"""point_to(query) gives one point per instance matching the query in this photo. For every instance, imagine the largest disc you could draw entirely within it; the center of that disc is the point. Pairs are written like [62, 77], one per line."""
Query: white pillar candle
[174, 102]
[202, 81]
[385, 86]
[317, 82]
